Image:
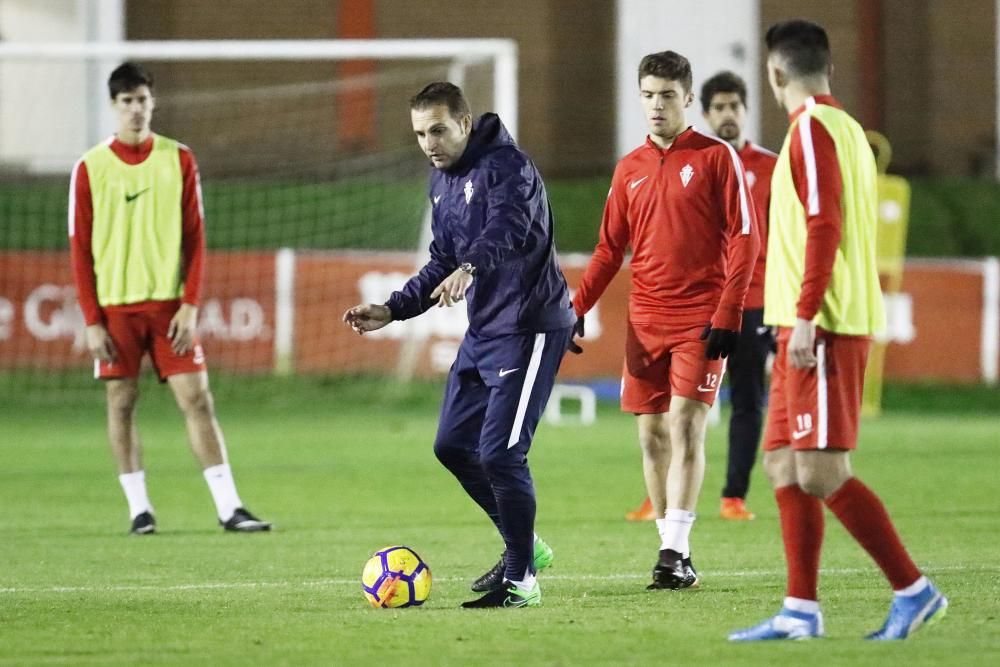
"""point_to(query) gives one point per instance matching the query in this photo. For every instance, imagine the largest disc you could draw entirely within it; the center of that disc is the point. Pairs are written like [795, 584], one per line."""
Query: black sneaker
[669, 572]
[243, 522]
[542, 558]
[508, 595]
[143, 524]
[492, 580]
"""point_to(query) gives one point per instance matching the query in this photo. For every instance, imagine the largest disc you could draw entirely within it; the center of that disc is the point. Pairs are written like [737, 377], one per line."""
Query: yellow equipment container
[893, 221]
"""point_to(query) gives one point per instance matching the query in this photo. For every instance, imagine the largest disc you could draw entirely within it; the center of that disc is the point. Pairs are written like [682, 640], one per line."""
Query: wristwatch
[467, 267]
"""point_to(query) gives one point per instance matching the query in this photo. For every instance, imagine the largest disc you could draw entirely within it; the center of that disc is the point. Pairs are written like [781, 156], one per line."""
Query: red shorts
[140, 328]
[819, 407]
[663, 360]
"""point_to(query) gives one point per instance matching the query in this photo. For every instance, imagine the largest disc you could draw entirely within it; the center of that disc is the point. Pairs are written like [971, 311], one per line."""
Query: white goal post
[501, 53]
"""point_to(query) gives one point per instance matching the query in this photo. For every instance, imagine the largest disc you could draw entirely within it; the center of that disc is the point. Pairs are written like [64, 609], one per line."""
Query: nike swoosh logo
[513, 602]
[634, 184]
[437, 198]
[701, 388]
[798, 435]
[507, 372]
[131, 198]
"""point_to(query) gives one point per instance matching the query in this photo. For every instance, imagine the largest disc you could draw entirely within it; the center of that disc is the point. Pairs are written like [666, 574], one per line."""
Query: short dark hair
[667, 65]
[803, 45]
[723, 82]
[128, 76]
[442, 92]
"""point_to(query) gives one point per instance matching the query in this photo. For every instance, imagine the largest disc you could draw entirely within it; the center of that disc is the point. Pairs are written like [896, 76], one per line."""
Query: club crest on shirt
[686, 173]
[751, 178]
[468, 191]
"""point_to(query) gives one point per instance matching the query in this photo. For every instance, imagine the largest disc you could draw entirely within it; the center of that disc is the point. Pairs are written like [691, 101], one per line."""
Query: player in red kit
[822, 292]
[681, 203]
[724, 104]
[137, 245]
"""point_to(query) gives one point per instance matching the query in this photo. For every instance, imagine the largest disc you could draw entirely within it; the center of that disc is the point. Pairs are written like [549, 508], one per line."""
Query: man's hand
[720, 342]
[99, 343]
[182, 328]
[452, 289]
[577, 331]
[802, 344]
[364, 318]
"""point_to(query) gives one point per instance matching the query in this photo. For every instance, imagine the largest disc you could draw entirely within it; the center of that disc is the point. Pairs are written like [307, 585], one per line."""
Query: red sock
[802, 532]
[865, 518]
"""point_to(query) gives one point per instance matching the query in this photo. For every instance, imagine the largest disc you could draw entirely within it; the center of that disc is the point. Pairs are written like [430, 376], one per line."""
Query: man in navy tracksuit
[493, 243]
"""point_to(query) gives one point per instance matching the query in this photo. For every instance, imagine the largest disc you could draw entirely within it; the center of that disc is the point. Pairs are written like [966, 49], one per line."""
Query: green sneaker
[493, 579]
[543, 555]
[508, 595]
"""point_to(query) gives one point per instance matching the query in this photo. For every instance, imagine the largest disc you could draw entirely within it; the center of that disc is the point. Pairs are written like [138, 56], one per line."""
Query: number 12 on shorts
[711, 382]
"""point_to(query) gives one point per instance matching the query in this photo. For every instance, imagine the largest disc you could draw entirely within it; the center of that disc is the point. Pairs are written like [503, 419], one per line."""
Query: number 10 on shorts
[803, 425]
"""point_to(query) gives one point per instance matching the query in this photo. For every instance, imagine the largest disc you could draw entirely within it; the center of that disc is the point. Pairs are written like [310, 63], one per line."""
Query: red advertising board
[936, 324]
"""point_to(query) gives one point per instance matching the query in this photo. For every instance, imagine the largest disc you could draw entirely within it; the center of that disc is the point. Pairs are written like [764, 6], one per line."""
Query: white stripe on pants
[529, 384]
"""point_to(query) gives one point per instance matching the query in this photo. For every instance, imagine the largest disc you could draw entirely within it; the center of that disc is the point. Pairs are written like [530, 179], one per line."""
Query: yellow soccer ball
[396, 577]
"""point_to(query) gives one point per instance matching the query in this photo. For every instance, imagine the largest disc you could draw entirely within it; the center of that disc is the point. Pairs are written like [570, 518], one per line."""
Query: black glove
[720, 342]
[768, 339]
[577, 331]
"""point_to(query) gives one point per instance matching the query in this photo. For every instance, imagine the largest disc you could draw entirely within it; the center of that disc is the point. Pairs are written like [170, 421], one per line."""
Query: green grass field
[342, 472]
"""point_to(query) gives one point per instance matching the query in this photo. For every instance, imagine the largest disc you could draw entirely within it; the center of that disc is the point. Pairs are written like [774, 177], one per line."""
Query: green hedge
[947, 217]
[954, 218]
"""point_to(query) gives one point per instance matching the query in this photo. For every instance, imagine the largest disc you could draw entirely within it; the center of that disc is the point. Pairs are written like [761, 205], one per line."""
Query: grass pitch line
[322, 583]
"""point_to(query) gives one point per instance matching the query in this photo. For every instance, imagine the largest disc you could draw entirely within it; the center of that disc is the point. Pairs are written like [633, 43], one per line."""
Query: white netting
[314, 191]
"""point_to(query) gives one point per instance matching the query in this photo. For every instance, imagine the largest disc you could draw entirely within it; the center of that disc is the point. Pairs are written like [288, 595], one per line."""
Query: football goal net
[314, 194]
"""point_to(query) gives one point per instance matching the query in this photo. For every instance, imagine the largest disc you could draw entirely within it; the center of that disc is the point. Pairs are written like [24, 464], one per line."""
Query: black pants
[747, 392]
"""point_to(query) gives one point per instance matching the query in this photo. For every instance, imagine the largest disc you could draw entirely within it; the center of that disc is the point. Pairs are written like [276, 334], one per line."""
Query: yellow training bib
[137, 228]
[852, 303]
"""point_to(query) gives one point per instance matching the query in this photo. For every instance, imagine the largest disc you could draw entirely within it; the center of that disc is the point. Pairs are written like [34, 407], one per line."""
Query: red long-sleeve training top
[816, 174]
[759, 165]
[687, 215]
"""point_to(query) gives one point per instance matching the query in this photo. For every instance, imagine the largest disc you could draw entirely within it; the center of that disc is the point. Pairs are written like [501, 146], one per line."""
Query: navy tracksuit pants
[496, 393]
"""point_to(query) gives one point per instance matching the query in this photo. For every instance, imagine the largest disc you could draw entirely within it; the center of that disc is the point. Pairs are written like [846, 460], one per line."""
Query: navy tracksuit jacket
[490, 209]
